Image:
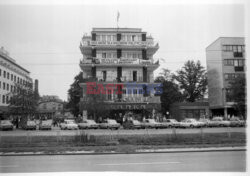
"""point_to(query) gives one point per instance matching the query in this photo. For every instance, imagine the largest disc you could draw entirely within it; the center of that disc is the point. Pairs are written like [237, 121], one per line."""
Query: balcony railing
[112, 61]
[238, 54]
[115, 43]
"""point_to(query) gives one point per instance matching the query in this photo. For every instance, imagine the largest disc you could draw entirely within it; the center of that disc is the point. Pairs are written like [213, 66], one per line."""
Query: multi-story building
[225, 62]
[11, 74]
[49, 106]
[123, 57]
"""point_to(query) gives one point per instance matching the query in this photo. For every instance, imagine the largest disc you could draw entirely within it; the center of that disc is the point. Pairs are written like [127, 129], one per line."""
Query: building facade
[225, 62]
[11, 74]
[120, 59]
[196, 110]
[49, 106]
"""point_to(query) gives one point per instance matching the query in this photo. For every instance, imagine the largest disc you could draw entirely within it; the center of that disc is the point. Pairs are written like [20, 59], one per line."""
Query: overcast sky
[45, 38]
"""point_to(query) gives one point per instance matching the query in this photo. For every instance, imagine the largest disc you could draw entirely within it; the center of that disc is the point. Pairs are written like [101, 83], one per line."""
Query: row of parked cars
[29, 125]
[151, 123]
[129, 124]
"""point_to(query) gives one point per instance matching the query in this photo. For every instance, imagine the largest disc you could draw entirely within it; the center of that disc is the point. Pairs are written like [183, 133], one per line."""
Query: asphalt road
[57, 131]
[227, 161]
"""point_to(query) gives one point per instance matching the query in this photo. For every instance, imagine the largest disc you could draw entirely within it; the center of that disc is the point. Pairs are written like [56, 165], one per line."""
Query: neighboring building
[196, 110]
[49, 106]
[11, 74]
[119, 56]
[225, 62]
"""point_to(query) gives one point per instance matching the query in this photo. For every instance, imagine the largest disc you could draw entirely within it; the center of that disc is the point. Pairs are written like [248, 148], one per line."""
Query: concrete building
[225, 61]
[11, 74]
[120, 56]
[50, 105]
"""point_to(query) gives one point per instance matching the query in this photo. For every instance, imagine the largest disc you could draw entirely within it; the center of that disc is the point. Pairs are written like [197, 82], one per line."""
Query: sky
[45, 39]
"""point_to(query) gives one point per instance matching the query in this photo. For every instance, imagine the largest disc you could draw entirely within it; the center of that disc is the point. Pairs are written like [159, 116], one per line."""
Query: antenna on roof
[117, 19]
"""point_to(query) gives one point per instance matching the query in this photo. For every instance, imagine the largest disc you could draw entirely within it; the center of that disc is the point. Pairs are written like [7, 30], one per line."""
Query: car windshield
[151, 120]
[136, 122]
[90, 121]
[173, 120]
[112, 121]
[5, 122]
[30, 122]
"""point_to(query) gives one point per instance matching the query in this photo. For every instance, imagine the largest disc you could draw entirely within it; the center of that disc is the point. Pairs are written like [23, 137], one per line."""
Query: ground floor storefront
[121, 111]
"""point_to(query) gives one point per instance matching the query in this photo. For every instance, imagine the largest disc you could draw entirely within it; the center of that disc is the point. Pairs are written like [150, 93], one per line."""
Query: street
[228, 161]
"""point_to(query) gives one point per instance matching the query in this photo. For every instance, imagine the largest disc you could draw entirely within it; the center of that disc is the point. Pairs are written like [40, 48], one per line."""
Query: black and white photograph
[123, 87]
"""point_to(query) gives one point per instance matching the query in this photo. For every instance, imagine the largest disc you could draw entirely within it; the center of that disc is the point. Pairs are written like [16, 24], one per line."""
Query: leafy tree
[75, 94]
[192, 80]
[237, 89]
[171, 92]
[23, 100]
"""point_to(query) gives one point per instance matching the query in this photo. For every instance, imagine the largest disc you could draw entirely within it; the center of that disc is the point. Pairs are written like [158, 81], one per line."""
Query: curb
[180, 150]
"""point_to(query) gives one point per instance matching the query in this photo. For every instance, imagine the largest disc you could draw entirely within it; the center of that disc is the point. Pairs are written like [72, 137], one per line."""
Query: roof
[7, 58]
[135, 30]
[222, 38]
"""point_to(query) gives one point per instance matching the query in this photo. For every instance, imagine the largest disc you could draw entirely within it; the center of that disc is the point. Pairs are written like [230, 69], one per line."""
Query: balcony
[118, 61]
[238, 54]
[87, 42]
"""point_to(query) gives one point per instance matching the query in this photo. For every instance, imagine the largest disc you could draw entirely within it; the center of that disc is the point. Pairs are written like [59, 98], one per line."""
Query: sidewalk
[179, 150]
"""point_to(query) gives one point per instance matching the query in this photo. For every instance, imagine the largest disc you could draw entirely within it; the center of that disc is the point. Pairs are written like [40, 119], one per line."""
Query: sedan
[170, 123]
[219, 122]
[235, 122]
[68, 125]
[45, 125]
[151, 123]
[131, 124]
[110, 124]
[30, 125]
[190, 123]
[88, 124]
[6, 125]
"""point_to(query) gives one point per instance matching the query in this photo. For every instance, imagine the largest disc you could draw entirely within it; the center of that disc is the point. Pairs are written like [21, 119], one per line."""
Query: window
[104, 55]
[109, 37]
[11, 77]
[4, 74]
[103, 38]
[7, 99]
[11, 88]
[3, 99]
[134, 55]
[135, 91]
[3, 86]
[8, 75]
[229, 62]
[14, 78]
[124, 91]
[7, 86]
[140, 91]
[98, 38]
[109, 95]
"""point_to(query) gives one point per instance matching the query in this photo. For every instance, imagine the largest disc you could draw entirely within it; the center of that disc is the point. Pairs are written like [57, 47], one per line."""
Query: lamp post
[224, 102]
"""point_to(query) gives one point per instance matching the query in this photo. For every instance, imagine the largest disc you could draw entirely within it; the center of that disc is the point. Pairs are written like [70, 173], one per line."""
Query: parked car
[219, 122]
[88, 124]
[236, 122]
[45, 125]
[205, 122]
[151, 123]
[132, 124]
[6, 125]
[68, 125]
[170, 123]
[190, 123]
[110, 124]
[30, 125]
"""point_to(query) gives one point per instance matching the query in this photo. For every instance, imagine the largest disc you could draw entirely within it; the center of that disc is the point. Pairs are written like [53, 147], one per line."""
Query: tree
[75, 94]
[237, 89]
[23, 100]
[192, 80]
[171, 92]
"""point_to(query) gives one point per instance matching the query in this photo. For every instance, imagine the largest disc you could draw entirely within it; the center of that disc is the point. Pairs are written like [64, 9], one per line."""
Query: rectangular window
[14, 78]
[240, 62]
[8, 75]
[3, 99]
[104, 55]
[109, 55]
[98, 38]
[109, 37]
[11, 88]
[11, 77]
[7, 86]
[103, 38]
[236, 63]
[4, 74]
[109, 95]
[3, 86]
